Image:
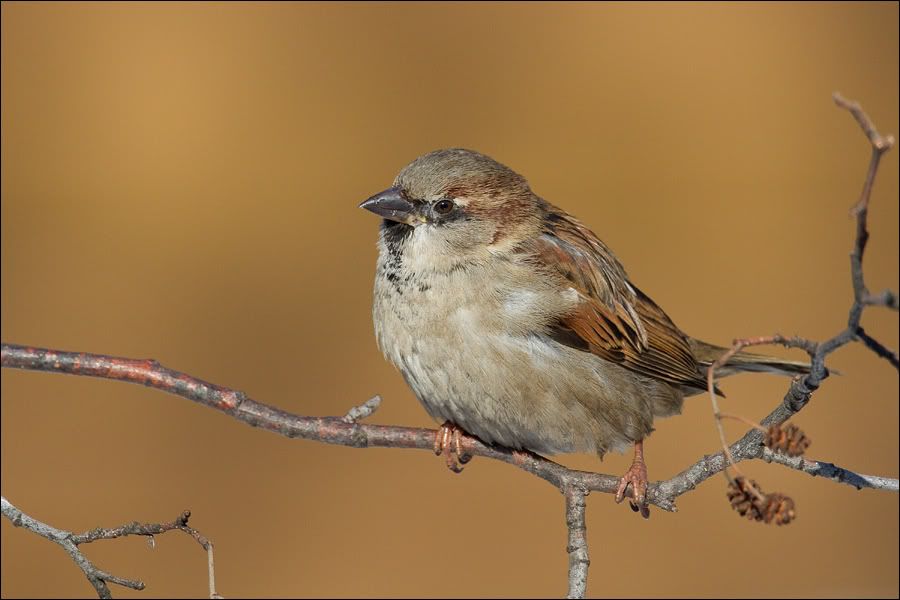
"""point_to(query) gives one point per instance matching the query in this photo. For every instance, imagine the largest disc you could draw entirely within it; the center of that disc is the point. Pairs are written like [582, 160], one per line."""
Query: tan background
[181, 181]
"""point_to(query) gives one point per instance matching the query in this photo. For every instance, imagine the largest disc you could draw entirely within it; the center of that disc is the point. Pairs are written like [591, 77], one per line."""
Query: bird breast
[471, 342]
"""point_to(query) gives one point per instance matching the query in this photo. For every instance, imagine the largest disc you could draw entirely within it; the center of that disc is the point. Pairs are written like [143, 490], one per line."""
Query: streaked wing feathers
[614, 320]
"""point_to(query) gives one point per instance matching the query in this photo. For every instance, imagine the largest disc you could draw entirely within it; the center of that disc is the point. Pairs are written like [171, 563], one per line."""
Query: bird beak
[391, 205]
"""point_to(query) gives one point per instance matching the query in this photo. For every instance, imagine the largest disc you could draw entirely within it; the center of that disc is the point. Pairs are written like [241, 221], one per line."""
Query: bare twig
[809, 346]
[743, 420]
[801, 389]
[577, 548]
[887, 298]
[71, 541]
[750, 447]
[880, 144]
[878, 348]
[829, 471]
[878, 141]
[362, 411]
[711, 386]
[211, 573]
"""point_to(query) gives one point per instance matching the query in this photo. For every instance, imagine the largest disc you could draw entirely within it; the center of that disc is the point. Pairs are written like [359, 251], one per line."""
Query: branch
[335, 430]
[579, 559]
[880, 144]
[801, 389]
[357, 413]
[878, 348]
[71, 541]
[829, 471]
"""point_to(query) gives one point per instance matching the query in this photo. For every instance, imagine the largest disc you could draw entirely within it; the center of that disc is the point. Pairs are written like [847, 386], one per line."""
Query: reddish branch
[336, 430]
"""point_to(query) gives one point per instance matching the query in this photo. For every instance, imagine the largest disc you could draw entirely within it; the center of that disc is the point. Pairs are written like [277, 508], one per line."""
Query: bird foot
[448, 440]
[637, 477]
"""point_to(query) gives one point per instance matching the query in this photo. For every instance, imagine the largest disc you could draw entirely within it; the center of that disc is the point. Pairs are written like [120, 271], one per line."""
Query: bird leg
[448, 440]
[637, 477]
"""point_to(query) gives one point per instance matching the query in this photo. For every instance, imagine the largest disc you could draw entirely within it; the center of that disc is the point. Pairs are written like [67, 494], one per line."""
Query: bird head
[460, 202]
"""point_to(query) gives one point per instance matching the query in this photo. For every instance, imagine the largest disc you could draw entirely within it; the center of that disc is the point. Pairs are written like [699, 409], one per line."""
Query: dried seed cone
[743, 500]
[767, 508]
[788, 439]
[779, 509]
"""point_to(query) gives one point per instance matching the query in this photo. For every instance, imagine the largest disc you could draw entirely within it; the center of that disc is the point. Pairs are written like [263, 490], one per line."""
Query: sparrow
[513, 322]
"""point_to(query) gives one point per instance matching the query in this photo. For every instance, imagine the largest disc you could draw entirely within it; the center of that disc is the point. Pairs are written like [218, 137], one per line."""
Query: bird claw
[637, 477]
[448, 440]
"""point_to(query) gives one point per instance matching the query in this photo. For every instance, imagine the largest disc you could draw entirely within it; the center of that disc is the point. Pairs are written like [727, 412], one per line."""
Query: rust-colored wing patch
[614, 319]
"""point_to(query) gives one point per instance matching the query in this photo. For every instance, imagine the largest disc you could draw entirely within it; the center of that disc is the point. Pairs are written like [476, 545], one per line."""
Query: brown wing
[614, 320]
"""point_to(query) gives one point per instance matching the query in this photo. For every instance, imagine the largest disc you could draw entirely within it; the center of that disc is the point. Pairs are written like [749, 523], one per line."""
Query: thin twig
[743, 420]
[796, 398]
[878, 348]
[830, 471]
[711, 388]
[70, 542]
[887, 298]
[211, 571]
[362, 411]
[878, 141]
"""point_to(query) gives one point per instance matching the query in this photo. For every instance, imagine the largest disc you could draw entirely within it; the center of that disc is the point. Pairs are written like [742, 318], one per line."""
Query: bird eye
[443, 207]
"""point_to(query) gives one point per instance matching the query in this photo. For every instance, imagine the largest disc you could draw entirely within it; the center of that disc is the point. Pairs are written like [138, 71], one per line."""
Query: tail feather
[746, 362]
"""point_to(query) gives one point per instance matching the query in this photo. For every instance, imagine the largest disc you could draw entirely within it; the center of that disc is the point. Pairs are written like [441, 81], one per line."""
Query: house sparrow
[511, 320]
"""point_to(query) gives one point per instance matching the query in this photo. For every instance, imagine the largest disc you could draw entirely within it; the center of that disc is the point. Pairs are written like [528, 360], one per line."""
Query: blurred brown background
[180, 181]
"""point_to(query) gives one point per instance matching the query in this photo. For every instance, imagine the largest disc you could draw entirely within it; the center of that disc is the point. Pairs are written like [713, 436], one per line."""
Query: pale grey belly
[490, 391]
[520, 391]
